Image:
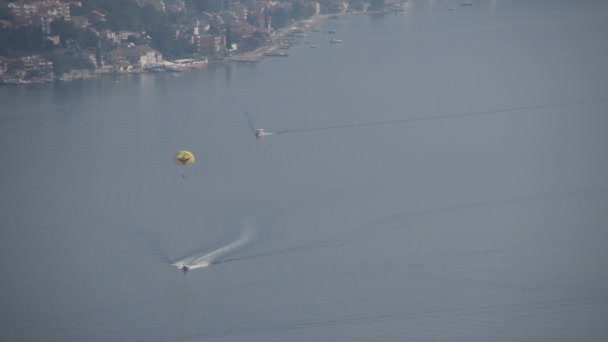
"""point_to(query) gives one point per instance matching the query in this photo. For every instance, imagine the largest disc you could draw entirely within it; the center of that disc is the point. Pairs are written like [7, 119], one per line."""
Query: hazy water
[373, 216]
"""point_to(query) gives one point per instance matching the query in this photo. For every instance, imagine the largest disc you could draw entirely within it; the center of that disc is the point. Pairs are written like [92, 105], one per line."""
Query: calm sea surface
[438, 176]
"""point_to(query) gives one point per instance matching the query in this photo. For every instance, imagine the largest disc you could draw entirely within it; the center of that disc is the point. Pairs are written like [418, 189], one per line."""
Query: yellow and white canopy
[183, 158]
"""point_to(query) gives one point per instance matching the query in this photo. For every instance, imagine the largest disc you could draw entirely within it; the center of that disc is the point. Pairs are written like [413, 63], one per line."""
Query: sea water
[440, 175]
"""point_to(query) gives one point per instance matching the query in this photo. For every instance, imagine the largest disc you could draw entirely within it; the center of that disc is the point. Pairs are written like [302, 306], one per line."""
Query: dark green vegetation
[129, 16]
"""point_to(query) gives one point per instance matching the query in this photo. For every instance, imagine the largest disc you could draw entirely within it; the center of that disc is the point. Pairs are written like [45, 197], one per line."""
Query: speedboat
[260, 132]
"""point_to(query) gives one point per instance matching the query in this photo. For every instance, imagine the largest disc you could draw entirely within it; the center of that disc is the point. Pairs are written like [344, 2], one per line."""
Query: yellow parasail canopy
[183, 158]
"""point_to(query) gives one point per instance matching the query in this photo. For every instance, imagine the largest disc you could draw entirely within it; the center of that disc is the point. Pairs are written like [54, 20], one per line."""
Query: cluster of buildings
[22, 69]
[124, 51]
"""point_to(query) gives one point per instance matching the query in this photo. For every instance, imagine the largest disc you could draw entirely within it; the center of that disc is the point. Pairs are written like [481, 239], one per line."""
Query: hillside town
[61, 40]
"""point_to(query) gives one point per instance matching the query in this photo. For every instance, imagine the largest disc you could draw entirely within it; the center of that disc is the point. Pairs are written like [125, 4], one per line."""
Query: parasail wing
[184, 158]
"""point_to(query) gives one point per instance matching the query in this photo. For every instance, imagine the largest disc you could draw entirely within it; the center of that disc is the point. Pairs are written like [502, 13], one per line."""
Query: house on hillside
[175, 6]
[118, 58]
[229, 17]
[110, 36]
[213, 19]
[57, 9]
[241, 11]
[23, 9]
[36, 67]
[81, 22]
[87, 56]
[142, 56]
[124, 35]
[42, 21]
[96, 17]
[4, 65]
[200, 27]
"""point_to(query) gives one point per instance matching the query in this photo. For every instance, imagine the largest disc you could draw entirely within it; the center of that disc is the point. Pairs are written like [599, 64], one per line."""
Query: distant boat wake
[438, 117]
[250, 122]
[214, 257]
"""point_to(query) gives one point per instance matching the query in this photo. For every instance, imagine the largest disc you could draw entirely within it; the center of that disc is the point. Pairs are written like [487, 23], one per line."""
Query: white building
[142, 56]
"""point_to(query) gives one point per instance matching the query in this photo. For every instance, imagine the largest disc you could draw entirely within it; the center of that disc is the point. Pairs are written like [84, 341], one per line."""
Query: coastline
[247, 57]
[277, 37]
[276, 42]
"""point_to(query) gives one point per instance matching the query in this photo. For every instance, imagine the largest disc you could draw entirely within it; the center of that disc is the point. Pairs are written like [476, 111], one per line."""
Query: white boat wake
[204, 260]
[443, 116]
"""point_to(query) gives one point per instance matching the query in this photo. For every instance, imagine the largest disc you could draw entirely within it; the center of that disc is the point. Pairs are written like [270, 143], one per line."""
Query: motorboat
[335, 41]
[260, 132]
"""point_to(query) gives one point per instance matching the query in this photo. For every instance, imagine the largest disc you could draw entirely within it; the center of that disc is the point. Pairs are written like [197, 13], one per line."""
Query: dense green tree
[214, 30]
[302, 10]
[89, 39]
[228, 38]
[133, 39]
[76, 10]
[255, 41]
[330, 6]
[156, 25]
[280, 17]
[127, 15]
[181, 48]
[98, 55]
[252, 20]
[6, 42]
[34, 74]
[120, 14]
[5, 13]
[206, 5]
[66, 31]
[22, 40]
[61, 64]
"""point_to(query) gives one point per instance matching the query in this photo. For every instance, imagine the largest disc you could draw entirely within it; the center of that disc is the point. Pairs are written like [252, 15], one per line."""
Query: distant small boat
[335, 41]
[467, 3]
[313, 46]
[276, 54]
[452, 8]
[260, 132]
